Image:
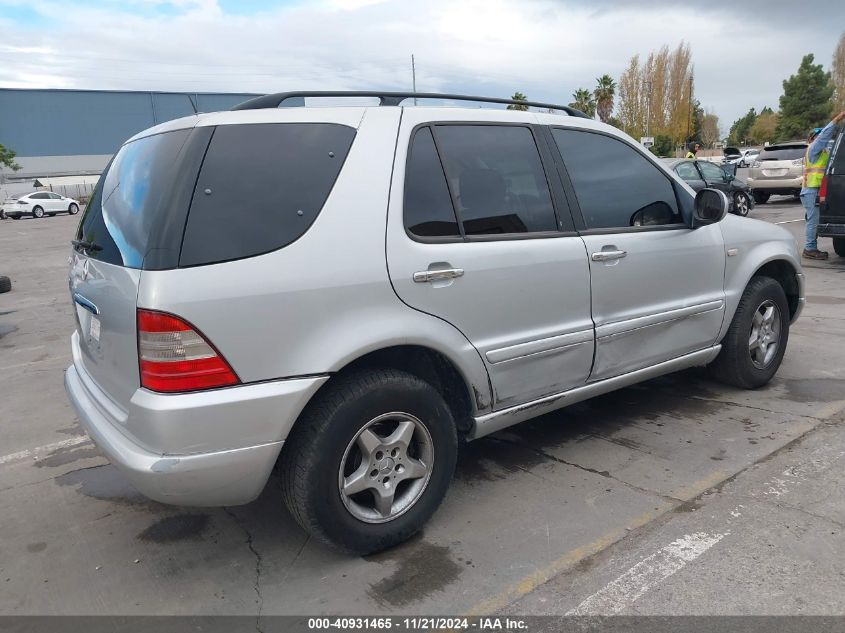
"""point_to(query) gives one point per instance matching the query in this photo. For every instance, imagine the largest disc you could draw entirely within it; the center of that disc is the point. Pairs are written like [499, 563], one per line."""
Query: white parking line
[788, 221]
[39, 450]
[616, 595]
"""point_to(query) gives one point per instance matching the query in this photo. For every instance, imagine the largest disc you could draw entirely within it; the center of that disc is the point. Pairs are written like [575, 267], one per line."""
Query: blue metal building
[76, 131]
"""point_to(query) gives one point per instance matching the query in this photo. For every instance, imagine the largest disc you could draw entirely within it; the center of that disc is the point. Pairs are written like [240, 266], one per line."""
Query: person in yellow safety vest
[693, 151]
[815, 163]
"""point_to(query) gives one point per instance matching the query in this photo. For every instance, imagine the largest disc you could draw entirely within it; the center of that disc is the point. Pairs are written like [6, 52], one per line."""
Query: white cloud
[543, 48]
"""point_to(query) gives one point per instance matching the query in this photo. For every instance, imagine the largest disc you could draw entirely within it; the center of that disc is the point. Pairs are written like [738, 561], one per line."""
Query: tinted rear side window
[790, 152]
[261, 187]
[130, 213]
[428, 208]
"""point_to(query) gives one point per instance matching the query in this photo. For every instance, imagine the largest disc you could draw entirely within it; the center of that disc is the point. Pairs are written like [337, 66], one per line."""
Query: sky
[742, 50]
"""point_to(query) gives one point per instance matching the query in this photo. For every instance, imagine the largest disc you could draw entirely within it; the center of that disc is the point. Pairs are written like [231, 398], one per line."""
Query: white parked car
[38, 204]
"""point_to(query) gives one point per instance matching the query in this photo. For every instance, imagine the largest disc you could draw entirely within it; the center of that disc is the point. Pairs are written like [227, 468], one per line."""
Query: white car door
[56, 202]
[489, 247]
[657, 284]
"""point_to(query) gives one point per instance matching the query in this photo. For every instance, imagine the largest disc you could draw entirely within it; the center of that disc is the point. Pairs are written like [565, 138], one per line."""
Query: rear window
[783, 152]
[135, 211]
[261, 187]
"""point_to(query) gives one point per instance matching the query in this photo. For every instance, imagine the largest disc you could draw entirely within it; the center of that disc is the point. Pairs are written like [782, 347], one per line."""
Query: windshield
[783, 152]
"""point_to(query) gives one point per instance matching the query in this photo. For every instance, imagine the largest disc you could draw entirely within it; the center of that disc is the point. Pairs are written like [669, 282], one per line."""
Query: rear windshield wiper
[86, 246]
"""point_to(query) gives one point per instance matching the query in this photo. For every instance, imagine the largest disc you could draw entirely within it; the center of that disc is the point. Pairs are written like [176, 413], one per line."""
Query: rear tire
[5, 284]
[741, 204]
[753, 349]
[839, 246]
[15, 217]
[338, 442]
[73, 209]
[761, 198]
[38, 212]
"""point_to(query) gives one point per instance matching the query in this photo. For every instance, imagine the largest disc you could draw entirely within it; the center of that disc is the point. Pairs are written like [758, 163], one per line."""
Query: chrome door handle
[606, 256]
[424, 276]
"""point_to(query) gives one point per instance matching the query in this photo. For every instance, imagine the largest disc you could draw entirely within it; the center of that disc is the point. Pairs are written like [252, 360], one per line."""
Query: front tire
[839, 246]
[741, 204]
[38, 212]
[370, 459]
[73, 209]
[753, 348]
[761, 198]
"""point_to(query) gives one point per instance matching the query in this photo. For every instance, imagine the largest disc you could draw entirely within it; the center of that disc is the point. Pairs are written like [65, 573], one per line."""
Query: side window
[38, 196]
[615, 185]
[261, 186]
[497, 179]
[711, 172]
[687, 171]
[428, 210]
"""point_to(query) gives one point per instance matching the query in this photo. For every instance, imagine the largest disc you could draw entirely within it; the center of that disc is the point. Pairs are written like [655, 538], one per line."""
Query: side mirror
[730, 170]
[711, 206]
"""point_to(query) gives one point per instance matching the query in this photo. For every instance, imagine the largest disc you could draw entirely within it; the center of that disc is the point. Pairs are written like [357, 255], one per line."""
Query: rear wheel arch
[429, 365]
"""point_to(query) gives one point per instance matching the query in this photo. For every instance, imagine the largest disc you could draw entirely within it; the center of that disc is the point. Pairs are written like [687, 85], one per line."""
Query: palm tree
[518, 96]
[583, 100]
[604, 93]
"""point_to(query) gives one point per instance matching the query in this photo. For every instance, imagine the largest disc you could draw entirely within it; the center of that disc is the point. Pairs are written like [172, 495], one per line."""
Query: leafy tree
[805, 102]
[662, 145]
[603, 94]
[765, 127]
[7, 158]
[518, 96]
[709, 132]
[740, 129]
[583, 100]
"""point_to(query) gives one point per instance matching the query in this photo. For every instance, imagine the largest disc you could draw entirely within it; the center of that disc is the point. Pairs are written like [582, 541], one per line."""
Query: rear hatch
[134, 220]
[781, 161]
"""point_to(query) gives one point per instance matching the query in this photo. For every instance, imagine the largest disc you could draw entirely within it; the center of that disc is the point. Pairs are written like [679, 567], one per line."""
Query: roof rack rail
[391, 99]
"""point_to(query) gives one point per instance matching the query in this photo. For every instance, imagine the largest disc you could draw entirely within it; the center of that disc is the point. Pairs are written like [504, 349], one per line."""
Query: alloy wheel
[386, 467]
[764, 340]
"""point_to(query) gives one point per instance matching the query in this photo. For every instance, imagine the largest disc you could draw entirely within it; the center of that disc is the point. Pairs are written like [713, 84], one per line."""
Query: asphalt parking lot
[677, 496]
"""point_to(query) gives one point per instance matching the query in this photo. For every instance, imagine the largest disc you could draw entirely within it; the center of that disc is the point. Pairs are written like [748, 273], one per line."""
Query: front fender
[750, 245]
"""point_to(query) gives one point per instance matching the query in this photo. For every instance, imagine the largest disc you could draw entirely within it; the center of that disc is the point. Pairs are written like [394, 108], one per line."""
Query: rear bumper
[220, 478]
[773, 185]
[211, 448]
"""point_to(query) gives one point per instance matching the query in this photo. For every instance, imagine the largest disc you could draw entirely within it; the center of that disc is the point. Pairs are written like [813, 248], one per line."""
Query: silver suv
[350, 292]
[777, 170]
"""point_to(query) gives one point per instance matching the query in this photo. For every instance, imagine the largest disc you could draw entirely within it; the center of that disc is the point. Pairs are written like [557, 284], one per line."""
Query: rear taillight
[823, 189]
[175, 357]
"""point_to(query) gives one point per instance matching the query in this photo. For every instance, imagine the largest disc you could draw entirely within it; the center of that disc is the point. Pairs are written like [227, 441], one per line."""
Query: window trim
[546, 157]
[576, 206]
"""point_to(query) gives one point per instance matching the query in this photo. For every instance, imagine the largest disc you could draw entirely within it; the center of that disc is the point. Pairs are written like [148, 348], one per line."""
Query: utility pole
[414, 77]
[648, 108]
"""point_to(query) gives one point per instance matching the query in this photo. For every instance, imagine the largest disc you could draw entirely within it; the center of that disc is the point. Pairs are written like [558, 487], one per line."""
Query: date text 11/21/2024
[418, 623]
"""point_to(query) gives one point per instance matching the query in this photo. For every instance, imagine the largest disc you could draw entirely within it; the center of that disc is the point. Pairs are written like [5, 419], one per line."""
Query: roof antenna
[193, 105]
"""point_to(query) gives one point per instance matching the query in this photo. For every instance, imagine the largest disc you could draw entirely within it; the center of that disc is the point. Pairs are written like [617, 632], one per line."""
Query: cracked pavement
[676, 496]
